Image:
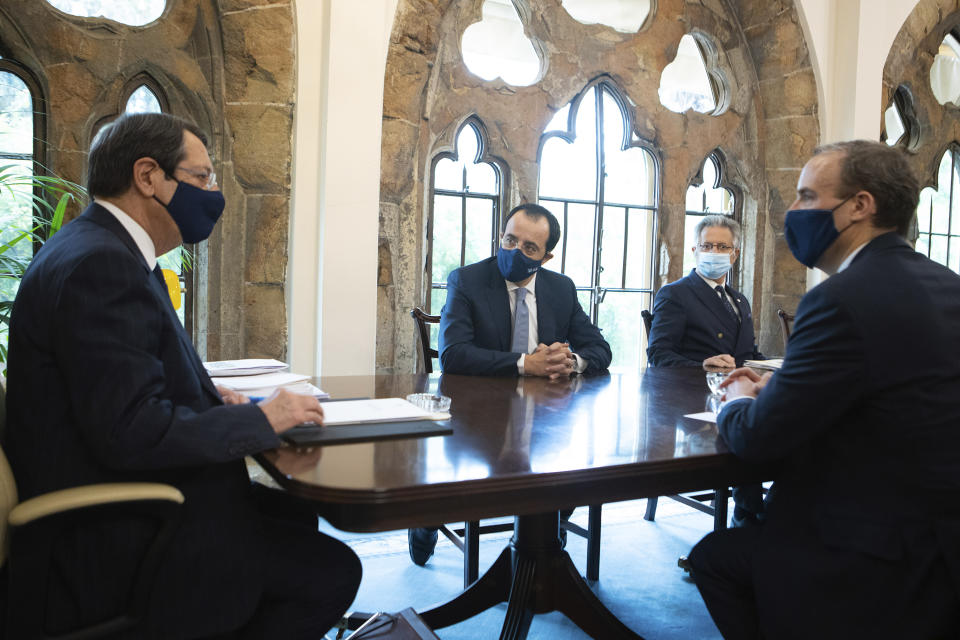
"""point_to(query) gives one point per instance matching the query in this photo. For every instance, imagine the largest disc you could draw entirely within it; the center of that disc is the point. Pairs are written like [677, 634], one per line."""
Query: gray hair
[719, 221]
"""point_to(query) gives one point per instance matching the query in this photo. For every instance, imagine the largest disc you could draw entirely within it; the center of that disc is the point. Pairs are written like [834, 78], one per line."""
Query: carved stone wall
[935, 126]
[228, 65]
[766, 134]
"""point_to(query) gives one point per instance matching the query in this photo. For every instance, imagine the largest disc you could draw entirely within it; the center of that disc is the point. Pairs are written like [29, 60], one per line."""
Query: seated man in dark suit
[702, 320]
[104, 386]
[507, 316]
[862, 538]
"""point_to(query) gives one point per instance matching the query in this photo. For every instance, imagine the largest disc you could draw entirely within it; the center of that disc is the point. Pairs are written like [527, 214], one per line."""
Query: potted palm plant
[31, 210]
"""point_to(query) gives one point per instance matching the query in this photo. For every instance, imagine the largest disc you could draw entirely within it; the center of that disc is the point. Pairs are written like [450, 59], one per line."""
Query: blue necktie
[726, 304]
[521, 324]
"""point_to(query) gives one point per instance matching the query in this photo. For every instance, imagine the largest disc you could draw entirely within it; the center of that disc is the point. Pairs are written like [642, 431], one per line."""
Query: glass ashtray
[430, 402]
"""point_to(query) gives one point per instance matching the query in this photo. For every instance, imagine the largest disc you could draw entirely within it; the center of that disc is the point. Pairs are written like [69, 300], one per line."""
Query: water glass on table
[714, 380]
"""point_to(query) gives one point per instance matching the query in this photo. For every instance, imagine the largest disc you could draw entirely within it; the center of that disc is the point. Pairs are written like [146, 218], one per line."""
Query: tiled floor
[639, 578]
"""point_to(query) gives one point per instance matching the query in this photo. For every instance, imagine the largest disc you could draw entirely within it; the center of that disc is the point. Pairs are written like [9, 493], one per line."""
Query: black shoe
[421, 543]
[684, 563]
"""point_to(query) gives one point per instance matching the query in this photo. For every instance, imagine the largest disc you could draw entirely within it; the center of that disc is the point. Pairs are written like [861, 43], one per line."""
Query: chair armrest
[90, 495]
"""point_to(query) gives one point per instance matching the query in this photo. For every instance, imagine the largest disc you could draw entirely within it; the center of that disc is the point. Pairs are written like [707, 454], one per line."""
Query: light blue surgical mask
[713, 265]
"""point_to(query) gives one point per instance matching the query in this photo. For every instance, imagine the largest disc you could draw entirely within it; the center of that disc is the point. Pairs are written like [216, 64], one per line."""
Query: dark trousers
[310, 579]
[797, 588]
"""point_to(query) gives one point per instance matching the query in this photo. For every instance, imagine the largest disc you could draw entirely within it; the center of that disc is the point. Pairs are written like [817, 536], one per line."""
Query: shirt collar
[853, 254]
[530, 286]
[138, 233]
[712, 283]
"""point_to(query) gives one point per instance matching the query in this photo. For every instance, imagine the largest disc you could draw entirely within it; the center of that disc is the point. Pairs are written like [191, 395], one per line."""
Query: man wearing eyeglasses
[701, 320]
[105, 386]
[507, 316]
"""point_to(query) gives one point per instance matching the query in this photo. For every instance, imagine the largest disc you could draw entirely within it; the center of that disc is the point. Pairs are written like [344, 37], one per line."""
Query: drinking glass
[714, 379]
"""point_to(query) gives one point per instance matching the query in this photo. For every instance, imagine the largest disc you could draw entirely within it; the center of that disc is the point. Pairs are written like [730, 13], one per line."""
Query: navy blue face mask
[195, 211]
[810, 232]
[514, 266]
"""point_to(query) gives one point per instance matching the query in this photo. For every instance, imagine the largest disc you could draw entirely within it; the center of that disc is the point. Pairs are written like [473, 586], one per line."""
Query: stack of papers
[378, 410]
[773, 364]
[262, 385]
[249, 367]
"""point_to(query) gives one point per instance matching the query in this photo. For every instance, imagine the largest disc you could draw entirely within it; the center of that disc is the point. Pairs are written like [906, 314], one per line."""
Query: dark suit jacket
[691, 325]
[865, 415]
[105, 386]
[475, 324]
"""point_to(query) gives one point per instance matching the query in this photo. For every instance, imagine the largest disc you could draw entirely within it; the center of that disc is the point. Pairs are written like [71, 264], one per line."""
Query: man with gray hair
[701, 319]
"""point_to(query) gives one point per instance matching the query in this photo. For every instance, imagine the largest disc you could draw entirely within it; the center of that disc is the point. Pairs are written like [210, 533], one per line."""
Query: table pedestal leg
[534, 575]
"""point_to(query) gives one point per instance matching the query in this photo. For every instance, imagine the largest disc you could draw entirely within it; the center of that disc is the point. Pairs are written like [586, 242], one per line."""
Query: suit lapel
[498, 304]
[546, 316]
[711, 300]
[160, 289]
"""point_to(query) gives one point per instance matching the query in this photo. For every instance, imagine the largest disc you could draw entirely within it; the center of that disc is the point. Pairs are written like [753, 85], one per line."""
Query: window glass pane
[893, 124]
[481, 178]
[923, 210]
[689, 240]
[629, 172]
[570, 170]
[954, 262]
[618, 316]
[479, 230]
[448, 175]
[684, 83]
[579, 254]
[143, 100]
[132, 12]
[447, 231]
[559, 120]
[585, 297]
[639, 242]
[438, 297]
[938, 249]
[16, 115]
[614, 222]
[626, 16]
[497, 46]
[923, 244]
[945, 72]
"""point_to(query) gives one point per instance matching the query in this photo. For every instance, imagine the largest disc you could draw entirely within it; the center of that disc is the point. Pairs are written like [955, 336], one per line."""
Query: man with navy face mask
[701, 320]
[507, 316]
[862, 538]
[104, 385]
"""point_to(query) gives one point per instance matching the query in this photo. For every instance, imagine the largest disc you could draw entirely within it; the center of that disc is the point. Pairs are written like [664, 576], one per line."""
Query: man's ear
[145, 176]
[546, 257]
[864, 205]
[734, 256]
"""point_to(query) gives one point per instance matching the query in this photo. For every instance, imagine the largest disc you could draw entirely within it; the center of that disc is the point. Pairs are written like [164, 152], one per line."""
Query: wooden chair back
[786, 325]
[427, 353]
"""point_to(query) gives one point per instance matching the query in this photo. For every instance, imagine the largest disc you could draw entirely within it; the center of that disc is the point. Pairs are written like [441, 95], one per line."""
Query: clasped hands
[553, 361]
[744, 382]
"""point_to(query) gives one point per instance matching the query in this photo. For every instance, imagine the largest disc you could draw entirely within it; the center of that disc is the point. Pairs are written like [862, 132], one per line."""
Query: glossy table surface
[519, 445]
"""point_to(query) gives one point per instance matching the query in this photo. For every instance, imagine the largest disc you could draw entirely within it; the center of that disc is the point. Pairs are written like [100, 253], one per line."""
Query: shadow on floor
[639, 578]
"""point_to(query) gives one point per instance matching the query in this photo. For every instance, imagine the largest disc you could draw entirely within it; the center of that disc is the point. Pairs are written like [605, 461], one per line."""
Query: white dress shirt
[532, 337]
[139, 235]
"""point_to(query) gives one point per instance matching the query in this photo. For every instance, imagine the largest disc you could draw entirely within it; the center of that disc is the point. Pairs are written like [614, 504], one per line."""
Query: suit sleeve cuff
[581, 365]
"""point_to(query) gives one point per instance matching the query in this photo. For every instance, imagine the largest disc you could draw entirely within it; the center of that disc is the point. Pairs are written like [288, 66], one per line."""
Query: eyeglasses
[208, 178]
[529, 249]
[719, 246]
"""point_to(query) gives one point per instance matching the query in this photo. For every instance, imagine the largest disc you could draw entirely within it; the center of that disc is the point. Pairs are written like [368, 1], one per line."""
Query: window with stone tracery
[601, 183]
[938, 214]
[708, 197]
[131, 12]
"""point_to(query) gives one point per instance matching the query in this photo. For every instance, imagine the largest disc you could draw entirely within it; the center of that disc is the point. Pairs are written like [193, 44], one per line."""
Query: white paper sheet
[247, 367]
[261, 381]
[377, 410]
[706, 416]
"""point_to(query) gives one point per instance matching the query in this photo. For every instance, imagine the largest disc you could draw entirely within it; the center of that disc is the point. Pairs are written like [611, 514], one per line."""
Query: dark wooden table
[524, 447]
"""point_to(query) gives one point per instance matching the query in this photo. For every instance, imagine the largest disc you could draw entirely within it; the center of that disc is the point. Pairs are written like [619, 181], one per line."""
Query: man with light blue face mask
[701, 320]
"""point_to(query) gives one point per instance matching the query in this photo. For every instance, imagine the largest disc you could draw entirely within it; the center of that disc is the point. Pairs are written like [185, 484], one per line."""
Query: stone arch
[908, 64]
[230, 67]
[769, 129]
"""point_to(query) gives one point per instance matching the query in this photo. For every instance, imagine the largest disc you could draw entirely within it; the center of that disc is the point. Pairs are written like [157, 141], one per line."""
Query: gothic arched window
[601, 183]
